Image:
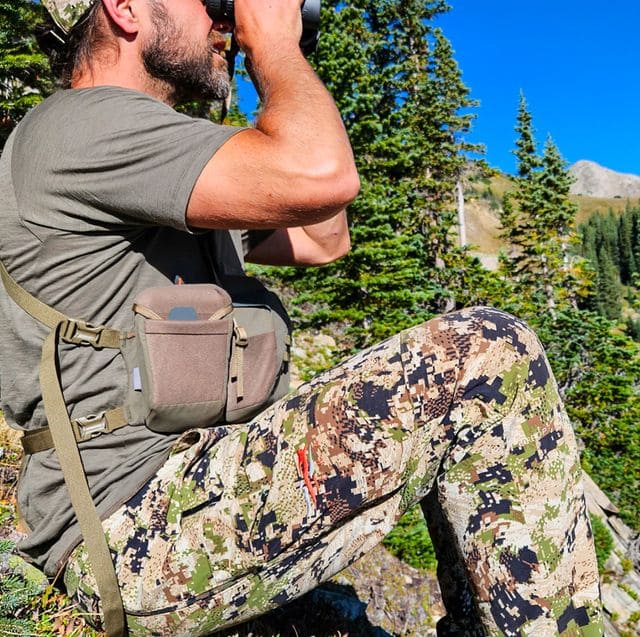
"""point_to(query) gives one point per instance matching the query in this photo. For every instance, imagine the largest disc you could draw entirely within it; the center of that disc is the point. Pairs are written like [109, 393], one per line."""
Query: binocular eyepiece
[224, 10]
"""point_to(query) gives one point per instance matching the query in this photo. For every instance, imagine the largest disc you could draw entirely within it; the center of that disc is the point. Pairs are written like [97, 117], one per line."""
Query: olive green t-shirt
[94, 186]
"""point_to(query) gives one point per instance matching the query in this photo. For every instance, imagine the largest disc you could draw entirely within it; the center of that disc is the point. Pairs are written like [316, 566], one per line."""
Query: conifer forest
[396, 81]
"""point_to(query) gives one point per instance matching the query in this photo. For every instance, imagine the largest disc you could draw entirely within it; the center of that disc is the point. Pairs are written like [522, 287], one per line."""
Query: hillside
[483, 202]
[594, 180]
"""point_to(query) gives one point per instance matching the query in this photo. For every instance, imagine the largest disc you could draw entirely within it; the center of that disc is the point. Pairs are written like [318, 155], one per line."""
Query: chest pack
[197, 355]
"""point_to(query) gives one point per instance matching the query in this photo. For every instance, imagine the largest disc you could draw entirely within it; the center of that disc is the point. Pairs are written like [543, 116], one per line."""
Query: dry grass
[10, 459]
[483, 206]
[588, 206]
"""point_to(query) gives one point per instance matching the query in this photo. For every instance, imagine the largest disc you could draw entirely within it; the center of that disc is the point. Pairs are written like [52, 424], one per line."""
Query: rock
[620, 582]
[312, 352]
[596, 181]
[378, 596]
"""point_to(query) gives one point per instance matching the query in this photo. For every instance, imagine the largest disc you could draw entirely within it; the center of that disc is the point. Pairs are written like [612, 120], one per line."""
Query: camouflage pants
[461, 414]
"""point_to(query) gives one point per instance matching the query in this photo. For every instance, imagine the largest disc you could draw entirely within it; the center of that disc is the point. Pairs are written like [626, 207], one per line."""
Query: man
[106, 192]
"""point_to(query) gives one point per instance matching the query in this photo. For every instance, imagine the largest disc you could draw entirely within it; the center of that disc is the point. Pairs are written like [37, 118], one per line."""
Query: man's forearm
[316, 244]
[299, 112]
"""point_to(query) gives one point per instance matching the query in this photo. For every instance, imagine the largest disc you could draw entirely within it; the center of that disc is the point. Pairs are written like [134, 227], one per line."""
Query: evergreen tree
[628, 265]
[401, 95]
[607, 298]
[538, 224]
[635, 236]
[25, 77]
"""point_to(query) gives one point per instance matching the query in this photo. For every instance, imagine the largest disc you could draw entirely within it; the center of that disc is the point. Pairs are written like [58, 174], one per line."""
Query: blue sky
[577, 62]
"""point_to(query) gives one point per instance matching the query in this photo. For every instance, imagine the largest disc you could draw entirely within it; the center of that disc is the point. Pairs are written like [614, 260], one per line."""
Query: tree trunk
[462, 232]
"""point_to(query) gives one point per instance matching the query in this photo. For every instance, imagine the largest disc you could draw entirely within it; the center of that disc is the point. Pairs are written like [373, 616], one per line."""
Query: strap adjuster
[81, 333]
[90, 426]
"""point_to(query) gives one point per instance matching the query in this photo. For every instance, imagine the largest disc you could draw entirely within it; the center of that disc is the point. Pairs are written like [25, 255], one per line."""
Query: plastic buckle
[90, 426]
[81, 333]
[242, 340]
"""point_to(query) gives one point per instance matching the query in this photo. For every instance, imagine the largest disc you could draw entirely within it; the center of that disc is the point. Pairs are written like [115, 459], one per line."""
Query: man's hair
[69, 52]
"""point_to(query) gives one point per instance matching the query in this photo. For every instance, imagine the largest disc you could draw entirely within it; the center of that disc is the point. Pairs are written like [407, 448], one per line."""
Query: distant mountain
[594, 180]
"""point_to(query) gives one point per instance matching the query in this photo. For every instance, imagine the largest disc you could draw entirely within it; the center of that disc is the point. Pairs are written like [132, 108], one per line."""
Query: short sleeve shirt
[94, 187]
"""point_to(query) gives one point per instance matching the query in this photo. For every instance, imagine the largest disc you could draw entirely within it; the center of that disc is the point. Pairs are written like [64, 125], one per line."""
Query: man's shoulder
[83, 105]
[91, 126]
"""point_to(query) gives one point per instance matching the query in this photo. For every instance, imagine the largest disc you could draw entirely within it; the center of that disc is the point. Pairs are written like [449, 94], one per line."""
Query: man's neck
[132, 76]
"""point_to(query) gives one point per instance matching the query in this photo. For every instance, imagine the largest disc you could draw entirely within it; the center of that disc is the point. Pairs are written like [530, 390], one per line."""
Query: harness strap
[75, 478]
[64, 436]
[83, 428]
[73, 331]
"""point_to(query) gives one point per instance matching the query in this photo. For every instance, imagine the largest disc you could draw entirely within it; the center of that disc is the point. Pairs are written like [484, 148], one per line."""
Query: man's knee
[472, 330]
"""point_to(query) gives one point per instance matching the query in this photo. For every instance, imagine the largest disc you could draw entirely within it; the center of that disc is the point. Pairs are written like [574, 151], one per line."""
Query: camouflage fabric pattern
[66, 13]
[461, 413]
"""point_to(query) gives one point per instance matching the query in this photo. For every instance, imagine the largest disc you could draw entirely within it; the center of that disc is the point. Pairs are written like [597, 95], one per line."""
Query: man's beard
[191, 72]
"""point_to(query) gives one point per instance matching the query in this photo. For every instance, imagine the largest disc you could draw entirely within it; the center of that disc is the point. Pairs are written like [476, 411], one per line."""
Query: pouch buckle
[81, 333]
[90, 426]
[240, 334]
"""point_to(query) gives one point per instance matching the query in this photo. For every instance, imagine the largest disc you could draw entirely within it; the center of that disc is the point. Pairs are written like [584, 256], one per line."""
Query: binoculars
[223, 10]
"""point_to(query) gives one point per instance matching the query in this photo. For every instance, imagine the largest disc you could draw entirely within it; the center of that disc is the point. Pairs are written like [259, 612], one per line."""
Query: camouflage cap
[66, 13]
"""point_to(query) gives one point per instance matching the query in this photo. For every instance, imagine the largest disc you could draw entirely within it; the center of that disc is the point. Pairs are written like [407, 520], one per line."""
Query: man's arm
[295, 170]
[315, 244]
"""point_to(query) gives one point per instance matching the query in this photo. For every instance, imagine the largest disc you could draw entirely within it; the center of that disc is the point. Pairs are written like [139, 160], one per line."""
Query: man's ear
[124, 14]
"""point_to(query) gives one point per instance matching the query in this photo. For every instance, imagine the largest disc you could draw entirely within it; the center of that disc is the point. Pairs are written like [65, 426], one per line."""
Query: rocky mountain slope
[597, 189]
[594, 180]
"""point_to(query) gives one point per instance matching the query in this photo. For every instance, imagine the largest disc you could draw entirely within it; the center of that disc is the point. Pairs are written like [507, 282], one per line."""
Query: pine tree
[25, 77]
[400, 92]
[628, 265]
[538, 223]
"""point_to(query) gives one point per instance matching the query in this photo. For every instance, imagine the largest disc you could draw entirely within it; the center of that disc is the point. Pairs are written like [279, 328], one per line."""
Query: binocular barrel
[224, 10]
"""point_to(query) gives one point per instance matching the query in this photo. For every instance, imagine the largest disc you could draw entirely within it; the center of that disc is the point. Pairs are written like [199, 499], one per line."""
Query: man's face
[184, 51]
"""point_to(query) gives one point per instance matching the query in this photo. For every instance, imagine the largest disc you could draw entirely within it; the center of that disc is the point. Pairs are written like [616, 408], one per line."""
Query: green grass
[410, 541]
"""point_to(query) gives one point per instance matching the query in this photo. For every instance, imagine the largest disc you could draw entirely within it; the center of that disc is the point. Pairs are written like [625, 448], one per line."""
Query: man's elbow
[347, 187]
[350, 186]
[336, 185]
[330, 250]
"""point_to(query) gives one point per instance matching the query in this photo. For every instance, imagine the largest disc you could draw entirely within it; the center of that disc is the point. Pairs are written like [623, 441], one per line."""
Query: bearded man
[107, 192]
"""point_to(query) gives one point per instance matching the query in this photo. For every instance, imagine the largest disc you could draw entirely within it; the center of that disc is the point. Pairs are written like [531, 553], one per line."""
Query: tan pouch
[259, 369]
[183, 351]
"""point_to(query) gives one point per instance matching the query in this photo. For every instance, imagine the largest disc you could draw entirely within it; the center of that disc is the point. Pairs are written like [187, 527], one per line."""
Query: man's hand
[296, 168]
[267, 28]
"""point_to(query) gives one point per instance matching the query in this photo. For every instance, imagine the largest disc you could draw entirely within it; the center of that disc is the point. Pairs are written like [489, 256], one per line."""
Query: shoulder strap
[77, 332]
[76, 481]
[73, 331]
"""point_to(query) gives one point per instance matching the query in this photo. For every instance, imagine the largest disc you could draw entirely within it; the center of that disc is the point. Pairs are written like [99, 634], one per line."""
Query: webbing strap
[74, 331]
[76, 481]
[83, 428]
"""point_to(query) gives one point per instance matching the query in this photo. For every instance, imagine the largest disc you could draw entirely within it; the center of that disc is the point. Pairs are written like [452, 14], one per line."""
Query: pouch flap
[199, 301]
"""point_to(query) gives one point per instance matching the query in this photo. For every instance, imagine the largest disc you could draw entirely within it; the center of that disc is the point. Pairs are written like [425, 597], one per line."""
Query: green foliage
[25, 77]
[395, 80]
[633, 328]
[612, 245]
[17, 594]
[410, 541]
[30, 606]
[537, 222]
[603, 540]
